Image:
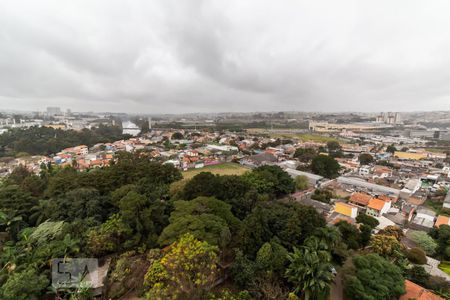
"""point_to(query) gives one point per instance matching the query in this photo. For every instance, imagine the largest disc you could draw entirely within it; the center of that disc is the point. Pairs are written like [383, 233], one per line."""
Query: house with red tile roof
[82, 164]
[377, 207]
[442, 220]
[414, 291]
[360, 199]
[387, 198]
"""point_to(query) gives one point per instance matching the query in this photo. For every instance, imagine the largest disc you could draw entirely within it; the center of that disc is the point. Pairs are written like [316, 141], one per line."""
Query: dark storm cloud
[186, 56]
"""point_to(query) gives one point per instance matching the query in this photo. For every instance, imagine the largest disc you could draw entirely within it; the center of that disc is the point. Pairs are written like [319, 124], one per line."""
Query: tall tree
[305, 154]
[391, 149]
[350, 234]
[325, 166]
[203, 184]
[271, 180]
[206, 218]
[187, 270]
[442, 237]
[386, 246]
[365, 159]
[291, 223]
[371, 277]
[333, 146]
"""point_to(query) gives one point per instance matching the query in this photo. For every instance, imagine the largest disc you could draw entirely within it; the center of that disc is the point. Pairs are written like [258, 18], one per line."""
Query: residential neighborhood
[400, 183]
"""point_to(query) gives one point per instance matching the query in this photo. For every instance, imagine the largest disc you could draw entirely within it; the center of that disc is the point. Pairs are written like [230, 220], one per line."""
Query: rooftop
[422, 222]
[376, 204]
[345, 204]
[361, 198]
[355, 181]
[262, 157]
[442, 220]
[301, 173]
[414, 291]
[387, 198]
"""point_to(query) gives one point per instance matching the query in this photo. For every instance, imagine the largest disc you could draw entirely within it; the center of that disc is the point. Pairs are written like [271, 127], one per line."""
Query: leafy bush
[416, 256]
[417, 274]
[322, 195]
[301, 182]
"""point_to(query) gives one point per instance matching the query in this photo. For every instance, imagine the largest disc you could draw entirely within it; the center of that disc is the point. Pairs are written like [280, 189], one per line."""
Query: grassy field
[445, 266]
[305, 137]
[222, 169]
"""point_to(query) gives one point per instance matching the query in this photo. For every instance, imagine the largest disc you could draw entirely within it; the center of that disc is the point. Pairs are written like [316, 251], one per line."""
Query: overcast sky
[211, 56]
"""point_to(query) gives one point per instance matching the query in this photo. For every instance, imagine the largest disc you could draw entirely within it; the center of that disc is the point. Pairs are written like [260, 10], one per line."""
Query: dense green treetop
[305, 154]
[442, 237]
[325, 166]
[367, 220]
[46, 141]
[365, 158]
[208, 219]
[291, 223]
[372, 277]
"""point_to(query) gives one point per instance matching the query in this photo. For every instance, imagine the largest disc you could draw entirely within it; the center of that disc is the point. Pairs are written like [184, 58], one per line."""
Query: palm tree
[10, 223]
[328, 238]
[310, 271]
[39, 212]
[6, 220]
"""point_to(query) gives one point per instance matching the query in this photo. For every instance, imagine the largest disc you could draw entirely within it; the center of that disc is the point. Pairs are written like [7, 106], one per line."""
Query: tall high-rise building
[398, 120]
[389, 118]
[53, 111]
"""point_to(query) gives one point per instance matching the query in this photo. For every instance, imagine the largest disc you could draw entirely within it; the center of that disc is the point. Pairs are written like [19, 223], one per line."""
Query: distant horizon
[64, 110]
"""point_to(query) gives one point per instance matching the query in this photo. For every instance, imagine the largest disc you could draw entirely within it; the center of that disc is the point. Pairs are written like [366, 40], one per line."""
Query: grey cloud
[185, 56]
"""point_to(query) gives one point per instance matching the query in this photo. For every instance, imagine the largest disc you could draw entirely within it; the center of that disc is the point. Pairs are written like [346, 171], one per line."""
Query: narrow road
[337, 291]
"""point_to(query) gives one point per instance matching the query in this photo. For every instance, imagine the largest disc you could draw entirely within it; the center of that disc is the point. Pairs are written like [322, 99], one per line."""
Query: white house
[424, 217]
[413, 185]
[364, 171]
